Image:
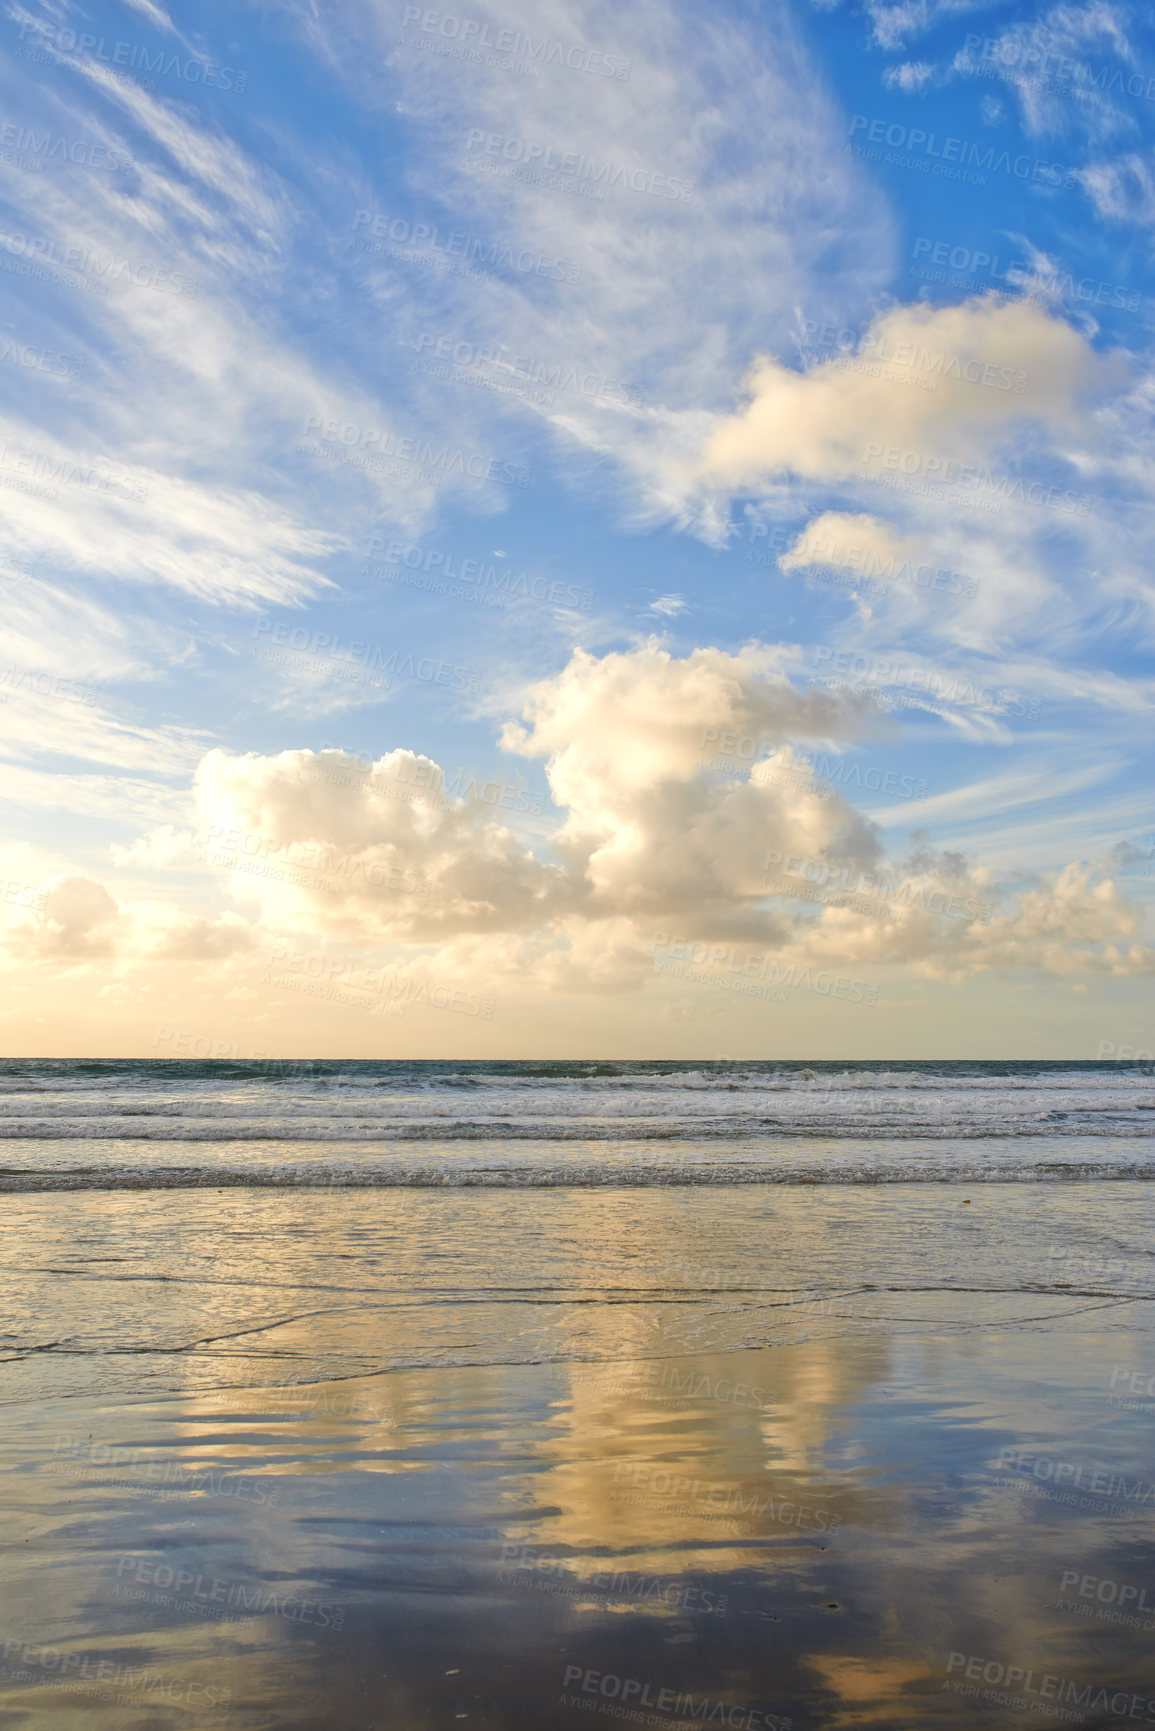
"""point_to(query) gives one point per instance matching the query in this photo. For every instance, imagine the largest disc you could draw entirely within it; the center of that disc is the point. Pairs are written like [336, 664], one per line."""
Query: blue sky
[719, 443]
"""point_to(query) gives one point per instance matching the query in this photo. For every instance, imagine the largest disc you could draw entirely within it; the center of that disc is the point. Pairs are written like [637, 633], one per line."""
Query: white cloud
[180, 458]
[973, 373]
[1009, 792]
[1122, 190]
[93, 797]
[653, 828]
[80, 922]
[858, 540]
[912, 75]
[894, 23]
[763, 154]
[44, 626]
[59, 653]
[378, 853]
[156, 15]
[1072, 64]
[660, 834]
[197, 403]
[1075, 922]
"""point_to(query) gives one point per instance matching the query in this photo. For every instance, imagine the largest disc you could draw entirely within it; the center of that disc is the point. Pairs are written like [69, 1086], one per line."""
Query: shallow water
[726, 1451]
[168, 1290]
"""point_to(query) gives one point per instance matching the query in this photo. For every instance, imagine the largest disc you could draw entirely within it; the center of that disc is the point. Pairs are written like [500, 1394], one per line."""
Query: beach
[770, 386]
[483, 1445]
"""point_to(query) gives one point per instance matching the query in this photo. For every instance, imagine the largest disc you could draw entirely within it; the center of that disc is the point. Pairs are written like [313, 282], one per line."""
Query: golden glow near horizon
[682, 597]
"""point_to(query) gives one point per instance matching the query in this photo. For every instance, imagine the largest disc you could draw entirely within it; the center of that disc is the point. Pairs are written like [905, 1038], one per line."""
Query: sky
[576, 530]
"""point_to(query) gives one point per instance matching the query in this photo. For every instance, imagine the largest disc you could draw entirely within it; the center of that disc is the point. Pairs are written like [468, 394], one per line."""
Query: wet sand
[232, 1498]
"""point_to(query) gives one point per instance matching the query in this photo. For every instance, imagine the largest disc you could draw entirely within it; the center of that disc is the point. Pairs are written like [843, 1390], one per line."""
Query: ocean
[123, 1123]
[377, 1395]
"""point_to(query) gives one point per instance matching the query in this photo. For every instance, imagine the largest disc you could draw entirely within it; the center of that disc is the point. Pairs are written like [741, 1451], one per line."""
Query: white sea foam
[538, 1125]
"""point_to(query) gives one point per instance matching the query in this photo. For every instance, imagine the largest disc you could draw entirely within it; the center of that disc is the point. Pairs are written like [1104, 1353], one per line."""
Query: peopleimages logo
[317, 976]
[46, 685]
[502, 582]
[719, 960]
[660, 1381]
[1107, 1591]
[22, 895]
[349, 441]
[1095, 1481]
[472, 34]
[50, 471]
[324, 647]
[429, 238]
[954, 156]
[715, 1497]
[675, 1702]
[1058, 74]
[1109, 1049]
[51, 147]
[963, 261]
[137, 1464]
[578, 1577]
[132, 55]
[68, 1671]
[420, 782]
[517, 370]
[97, 266]
[1021, 1684]
[582, 168]
[207, 1593]
[876, 347]
[40, 360]
[1135, 1381]
[874, 671]
[984, 483]
[849, 883]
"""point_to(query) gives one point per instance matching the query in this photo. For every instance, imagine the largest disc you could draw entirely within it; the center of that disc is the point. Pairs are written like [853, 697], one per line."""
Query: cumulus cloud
[851, 538]
[1076, 922]
[943, 382]
[889, 573]
[688, 808]
[75, 920]
[941, 917]
[655, 824]
[632, 742]
[369, 851]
